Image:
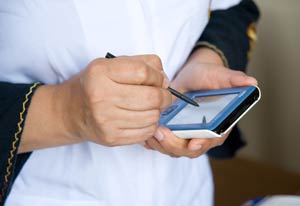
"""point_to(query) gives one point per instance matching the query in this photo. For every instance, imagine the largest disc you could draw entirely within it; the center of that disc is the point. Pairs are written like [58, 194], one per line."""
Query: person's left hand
[203, 70]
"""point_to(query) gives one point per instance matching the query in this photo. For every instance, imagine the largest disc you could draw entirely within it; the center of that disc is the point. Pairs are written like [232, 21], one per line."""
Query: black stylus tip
[109, 55]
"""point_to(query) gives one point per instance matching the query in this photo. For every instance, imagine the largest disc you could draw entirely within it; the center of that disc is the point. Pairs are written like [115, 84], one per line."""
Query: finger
[121, 118]
[139, 98]
[154, 62]
[226, 78]
[178, 146]
[196, 144]
[136, 119]
[206, 143]
[152, 143]
[124, 70]
[133, 136]
[241, 79]
[172, 144]
[151, 59]
[236, 78]
[125, 119]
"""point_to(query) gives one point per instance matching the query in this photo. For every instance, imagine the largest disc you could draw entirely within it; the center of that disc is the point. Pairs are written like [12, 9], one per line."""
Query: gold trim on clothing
[16, 139]
[251, 33]
[209, 9]
[214, 48]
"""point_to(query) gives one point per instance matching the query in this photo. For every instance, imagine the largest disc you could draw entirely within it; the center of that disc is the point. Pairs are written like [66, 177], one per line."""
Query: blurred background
[273, 128]
[270, 163]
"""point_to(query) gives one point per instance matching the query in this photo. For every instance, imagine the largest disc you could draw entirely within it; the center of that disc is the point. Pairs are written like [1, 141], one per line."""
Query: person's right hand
[116, 101]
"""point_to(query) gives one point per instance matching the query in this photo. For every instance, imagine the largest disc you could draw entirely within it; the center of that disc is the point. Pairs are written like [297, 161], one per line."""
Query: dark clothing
[14, 102]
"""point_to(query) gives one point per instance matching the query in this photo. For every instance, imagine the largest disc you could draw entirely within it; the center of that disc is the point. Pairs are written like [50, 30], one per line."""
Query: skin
[203, 70]
[112, 102]
[118, 101]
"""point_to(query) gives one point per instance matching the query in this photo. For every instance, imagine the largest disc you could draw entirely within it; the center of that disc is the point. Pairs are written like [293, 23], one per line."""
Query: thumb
[238, 78]
[155, 63]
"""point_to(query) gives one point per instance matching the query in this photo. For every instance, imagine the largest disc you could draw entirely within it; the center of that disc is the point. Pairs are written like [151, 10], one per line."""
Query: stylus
[183, 97]
[173, 91]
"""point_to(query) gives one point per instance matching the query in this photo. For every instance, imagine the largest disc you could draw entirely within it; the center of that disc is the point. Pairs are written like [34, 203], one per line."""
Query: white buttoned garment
[51, 40]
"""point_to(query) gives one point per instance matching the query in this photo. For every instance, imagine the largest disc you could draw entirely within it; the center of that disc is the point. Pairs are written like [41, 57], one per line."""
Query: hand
[167, 143]
[112, 102]
[203, 70]
[201, 74]
[118, 100]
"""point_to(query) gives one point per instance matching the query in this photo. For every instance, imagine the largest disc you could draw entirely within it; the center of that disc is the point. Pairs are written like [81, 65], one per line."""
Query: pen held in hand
[173, 91]
[183, 97]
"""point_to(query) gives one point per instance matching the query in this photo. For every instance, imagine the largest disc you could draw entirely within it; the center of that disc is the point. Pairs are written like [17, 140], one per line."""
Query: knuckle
[155, 59]
[150, 131]
[154, 116]
[109, 141]
[141, 71]
[146, 134]
[93, 64]
[153, 129]
[93, 67]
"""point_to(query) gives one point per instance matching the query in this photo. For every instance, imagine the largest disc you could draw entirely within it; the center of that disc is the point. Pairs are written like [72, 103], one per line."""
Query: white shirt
[51, 40]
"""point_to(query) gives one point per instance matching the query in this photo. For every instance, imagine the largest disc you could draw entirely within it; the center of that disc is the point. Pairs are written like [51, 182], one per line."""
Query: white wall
[273, 127]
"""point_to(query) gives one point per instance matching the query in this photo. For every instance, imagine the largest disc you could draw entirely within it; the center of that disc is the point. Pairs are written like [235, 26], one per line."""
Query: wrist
[206, 55]
[45, 125]
[57, 96]
[69, 101]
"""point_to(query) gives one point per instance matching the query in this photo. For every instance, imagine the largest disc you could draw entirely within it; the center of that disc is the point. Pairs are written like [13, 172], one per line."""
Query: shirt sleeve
[231, 32]
[14, 102]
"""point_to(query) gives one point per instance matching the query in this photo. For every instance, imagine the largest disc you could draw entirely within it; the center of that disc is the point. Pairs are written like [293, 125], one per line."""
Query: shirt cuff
[14, 102]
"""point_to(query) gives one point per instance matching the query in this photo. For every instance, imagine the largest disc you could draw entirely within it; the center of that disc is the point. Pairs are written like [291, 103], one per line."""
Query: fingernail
[159, 135]
[166, 82]
[196, 147]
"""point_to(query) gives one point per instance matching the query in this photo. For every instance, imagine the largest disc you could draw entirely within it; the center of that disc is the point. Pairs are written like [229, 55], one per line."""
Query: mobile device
[218, 111]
